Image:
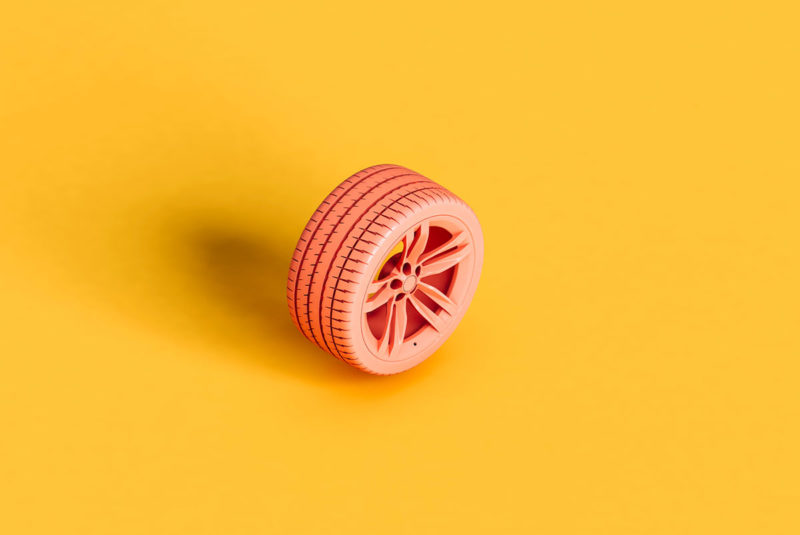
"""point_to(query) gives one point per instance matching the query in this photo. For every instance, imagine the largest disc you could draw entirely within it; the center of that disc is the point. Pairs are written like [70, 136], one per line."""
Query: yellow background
[629, 363]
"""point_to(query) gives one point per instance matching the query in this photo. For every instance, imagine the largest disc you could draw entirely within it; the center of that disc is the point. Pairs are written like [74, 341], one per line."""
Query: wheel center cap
[409, 284]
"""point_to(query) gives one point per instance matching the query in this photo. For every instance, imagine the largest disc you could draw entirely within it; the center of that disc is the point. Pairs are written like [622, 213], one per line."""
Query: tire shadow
[246, 275]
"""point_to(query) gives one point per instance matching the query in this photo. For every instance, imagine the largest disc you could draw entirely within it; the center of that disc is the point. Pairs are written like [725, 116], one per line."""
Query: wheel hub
[409, 284]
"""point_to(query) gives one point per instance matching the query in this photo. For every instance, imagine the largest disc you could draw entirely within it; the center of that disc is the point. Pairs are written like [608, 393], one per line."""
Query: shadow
[246, 275]
[249, 275]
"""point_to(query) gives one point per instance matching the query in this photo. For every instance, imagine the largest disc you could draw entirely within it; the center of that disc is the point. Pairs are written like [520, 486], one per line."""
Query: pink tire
[385, 269]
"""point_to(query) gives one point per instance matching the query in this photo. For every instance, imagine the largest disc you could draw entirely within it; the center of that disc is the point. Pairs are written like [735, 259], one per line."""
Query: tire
[385, 269]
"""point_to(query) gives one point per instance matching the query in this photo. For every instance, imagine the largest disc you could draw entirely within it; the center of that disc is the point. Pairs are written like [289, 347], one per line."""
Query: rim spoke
[454, 241]
[437, 296]
[383, 292]
[445, 260]
[435, 321]
[383, 343]
[414, 247]
[376, 286]
[399, 320]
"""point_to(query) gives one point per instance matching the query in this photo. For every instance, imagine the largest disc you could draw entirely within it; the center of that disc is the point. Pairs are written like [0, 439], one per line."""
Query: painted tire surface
[385, 269]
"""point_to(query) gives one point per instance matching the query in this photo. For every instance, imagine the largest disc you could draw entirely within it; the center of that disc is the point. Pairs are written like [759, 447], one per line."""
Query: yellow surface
[630, 364]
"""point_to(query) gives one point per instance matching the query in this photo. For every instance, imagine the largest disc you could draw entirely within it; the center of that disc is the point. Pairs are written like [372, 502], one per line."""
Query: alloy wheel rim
[417, 292]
